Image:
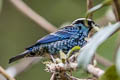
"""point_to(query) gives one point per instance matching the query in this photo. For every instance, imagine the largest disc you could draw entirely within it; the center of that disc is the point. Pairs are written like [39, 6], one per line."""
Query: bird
[64, 39]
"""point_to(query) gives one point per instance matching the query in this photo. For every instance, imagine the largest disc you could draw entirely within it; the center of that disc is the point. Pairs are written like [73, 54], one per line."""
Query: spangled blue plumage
[64, 39]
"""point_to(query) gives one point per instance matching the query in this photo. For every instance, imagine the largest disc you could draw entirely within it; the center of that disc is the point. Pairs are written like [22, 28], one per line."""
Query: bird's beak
[96, 27]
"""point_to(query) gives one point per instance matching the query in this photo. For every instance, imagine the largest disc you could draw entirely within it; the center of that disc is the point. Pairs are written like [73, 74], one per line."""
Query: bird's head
[86, 25]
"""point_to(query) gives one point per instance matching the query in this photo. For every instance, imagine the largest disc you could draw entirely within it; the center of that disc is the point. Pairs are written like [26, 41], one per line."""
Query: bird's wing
[63, 33]
[57, 36]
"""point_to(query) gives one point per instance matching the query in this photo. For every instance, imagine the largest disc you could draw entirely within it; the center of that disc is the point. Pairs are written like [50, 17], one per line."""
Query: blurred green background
[18, 32]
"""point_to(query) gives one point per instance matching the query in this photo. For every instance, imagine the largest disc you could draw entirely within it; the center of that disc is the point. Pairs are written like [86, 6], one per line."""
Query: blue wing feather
[60, 35]
[57, 36]
[48, 38]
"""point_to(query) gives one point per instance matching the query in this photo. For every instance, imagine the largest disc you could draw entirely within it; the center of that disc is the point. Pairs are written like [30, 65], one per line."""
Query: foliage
[110, 74]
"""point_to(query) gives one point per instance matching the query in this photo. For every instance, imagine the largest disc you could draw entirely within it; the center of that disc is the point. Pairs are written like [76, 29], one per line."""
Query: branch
[91, 69]
[89, 6]
[95, 8]
[27, 11]
[53, 77]
[7, 76]
[102, 60]
[21, 66]
[116, 9]
[95, 71]
[70, 65]
[16, 69]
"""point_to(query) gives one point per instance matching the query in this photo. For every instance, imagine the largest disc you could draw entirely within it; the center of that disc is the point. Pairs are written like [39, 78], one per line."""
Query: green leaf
[72, 50]
[110, 74]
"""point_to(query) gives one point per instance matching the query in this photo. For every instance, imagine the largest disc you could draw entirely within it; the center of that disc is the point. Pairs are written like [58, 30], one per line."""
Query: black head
[86, 22]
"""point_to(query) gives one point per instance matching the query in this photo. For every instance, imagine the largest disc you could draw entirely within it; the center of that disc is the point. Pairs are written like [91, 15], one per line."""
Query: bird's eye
[79, 27]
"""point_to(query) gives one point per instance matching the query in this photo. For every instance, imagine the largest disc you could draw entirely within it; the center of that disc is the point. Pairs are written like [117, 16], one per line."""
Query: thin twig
[21, 66]
[69, 77]
[26, 10]
[60, 67]
[74, 78]
[89, 6]
[52, 77]
[102, 60]
[7, 76]
[99, 6]
[95, 71]
[116, 9]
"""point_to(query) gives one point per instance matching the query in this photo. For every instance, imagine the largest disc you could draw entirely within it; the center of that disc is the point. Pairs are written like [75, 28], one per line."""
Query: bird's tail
[20, 56]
